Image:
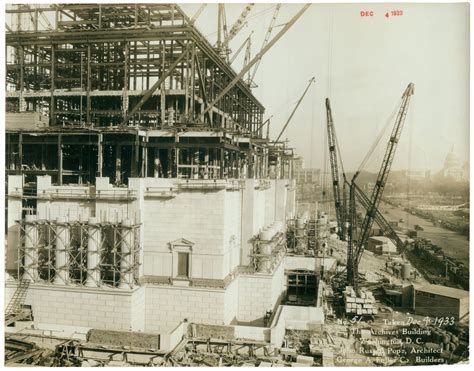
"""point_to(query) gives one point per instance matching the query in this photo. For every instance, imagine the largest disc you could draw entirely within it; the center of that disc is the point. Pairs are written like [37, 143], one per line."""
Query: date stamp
[367, 13]
[371, 13]
[394, 13]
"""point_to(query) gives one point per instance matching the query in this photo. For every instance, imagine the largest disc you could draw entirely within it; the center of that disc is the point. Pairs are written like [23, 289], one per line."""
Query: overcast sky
[363, 64]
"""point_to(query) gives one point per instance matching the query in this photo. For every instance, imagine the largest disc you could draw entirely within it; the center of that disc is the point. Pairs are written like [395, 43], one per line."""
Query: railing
[116, 194]
[203, 184]
[64, 193]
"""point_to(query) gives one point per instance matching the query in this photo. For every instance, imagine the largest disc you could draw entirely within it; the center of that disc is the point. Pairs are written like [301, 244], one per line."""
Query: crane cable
[328, 90]
[378, 139]
[311, 137]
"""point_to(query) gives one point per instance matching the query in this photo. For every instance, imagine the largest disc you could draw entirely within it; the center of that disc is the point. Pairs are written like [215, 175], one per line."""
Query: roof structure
[449, 292]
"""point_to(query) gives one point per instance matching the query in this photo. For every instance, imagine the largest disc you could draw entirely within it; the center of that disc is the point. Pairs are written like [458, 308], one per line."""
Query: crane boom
[356, 248]
[334, 170]
[294, 109]
[265, 41]
[259, 55]
[385, 168]
[379, 219]
[237, 26]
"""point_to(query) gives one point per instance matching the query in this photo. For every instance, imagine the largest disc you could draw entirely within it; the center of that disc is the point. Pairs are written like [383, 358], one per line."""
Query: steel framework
[124, 90]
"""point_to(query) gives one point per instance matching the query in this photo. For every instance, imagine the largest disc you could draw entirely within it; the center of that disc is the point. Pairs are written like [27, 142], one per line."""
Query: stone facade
[212, 222]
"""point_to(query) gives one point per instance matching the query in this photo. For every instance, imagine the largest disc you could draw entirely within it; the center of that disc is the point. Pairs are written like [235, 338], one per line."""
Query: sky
[363, 64]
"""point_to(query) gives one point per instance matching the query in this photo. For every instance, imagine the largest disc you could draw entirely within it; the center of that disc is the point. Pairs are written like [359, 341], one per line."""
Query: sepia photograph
[236, 184]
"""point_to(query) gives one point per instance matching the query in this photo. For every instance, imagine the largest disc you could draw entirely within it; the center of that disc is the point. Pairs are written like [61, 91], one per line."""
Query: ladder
[18, 300]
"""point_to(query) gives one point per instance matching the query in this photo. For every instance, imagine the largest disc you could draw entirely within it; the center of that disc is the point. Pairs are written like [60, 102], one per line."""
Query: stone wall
[107, 309]
[166, 306]
[259, 293]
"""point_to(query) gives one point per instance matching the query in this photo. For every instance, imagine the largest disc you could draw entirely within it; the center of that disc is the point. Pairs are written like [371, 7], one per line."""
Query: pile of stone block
[362, 304]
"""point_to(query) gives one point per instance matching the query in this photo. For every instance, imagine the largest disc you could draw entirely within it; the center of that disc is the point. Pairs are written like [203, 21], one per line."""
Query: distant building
[306, 175]
[418, 175]
[452, 167]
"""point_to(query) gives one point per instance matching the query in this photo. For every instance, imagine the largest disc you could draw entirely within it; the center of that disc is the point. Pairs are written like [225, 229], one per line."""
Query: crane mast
[338, 205]
[356, 247]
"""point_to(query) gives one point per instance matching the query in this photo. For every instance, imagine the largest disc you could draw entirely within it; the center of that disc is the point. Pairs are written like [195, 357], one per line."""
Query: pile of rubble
[362, 304]
[20, 352]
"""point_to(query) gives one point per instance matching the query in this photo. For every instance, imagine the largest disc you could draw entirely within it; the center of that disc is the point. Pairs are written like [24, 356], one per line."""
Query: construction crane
[341, 206]
[332, 145]
[265, 42]
[356, 244]
[384, 225]
[221, 29]
[259, 55]
[294, 109]
[223, 46]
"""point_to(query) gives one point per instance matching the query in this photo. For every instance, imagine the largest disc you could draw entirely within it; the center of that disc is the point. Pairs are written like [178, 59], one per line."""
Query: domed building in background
[452, 167]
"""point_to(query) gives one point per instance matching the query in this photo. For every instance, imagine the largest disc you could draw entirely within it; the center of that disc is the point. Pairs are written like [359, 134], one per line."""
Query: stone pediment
[181, 243]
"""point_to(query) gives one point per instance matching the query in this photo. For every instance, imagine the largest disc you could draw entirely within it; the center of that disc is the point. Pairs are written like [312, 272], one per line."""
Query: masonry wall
[247, 220]
[291, 199]
[166, 306]
[259, 293]
[232, 230]
[220, 224]
[259, 197]
[115, 207]
[281, 199]
[231, 302]
[138, 305]
[197, 216]
[270, 201]
[73, 208]
[255, 205]
[14, 213]
[108, 309]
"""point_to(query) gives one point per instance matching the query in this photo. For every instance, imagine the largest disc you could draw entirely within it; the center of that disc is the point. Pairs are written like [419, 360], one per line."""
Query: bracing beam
[259, 55]
[155, 86]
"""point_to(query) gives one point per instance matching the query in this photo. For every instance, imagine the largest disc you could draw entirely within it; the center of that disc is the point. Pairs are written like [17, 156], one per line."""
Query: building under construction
[152, 221]
[142, 191]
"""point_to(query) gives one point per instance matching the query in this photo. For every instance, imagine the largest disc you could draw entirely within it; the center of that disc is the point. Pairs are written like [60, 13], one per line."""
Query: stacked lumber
[363, 304]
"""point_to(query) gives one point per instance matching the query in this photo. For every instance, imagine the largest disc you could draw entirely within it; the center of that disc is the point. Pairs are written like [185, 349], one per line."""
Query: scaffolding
[79, 253]
[267, 253]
